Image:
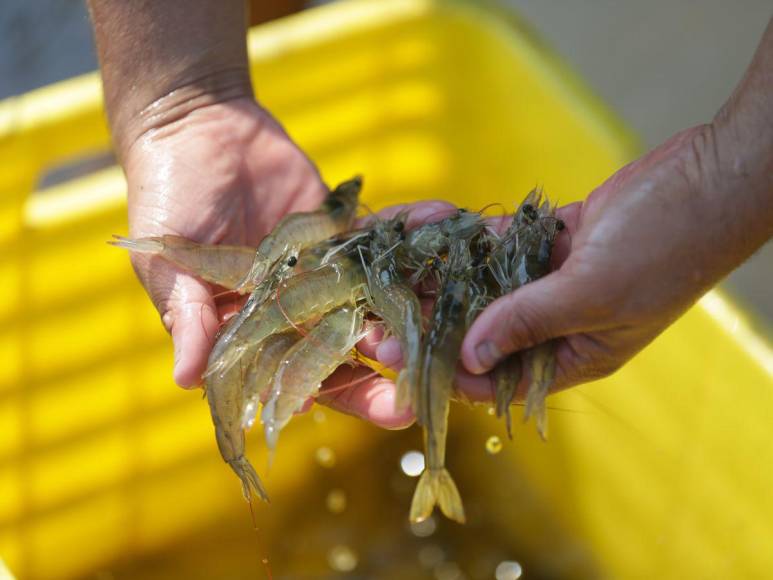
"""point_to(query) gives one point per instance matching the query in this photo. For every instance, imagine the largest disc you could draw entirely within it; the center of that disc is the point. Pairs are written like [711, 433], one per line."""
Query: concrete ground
[662, 65]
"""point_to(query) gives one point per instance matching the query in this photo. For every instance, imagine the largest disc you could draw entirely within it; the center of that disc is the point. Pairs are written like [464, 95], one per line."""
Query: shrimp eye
[399, 226]
[529, 211]
[292, 261]
[333, 203]
[560, 225]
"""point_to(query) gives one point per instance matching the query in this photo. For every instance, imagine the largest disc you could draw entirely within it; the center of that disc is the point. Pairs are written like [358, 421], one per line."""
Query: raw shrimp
[424, 245]
[260, 373]
[309, 362]
[440, 355]
[220, 264]
[396, 303]
[304, 229]
[508, 253]
[533, 263]
[224, 394]
[295, 301]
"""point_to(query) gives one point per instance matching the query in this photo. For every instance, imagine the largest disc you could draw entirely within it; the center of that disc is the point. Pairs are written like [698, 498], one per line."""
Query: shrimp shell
[224, 394]
[223, 265]
[297, 231]
[296, 301]
[309, 362]
[260, 373]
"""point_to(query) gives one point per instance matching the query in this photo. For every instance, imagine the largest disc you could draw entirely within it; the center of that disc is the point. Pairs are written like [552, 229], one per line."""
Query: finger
[356, 391]
[550, 307]
[417, 213]
[474, 388]
[187, 311]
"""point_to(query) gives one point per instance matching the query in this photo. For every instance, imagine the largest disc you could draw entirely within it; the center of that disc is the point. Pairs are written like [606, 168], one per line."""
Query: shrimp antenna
[367, 209]
[492, 204]
[388, 251]
[340, 247]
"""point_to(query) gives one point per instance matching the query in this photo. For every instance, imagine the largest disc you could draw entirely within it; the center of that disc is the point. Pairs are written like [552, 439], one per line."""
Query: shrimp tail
[436, 488]
[406, 391]
[542, 366]
[535, 405]
[250, 412]
[507, 376]
[250, 480]
[503, 409]
[271, 428]
[403, 396]
[142, 245]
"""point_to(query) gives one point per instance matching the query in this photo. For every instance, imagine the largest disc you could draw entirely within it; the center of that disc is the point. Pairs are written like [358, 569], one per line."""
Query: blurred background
[661, 65]
[108, 471]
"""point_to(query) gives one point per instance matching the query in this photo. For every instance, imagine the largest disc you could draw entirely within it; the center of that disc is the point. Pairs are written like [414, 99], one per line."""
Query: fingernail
[488, 355]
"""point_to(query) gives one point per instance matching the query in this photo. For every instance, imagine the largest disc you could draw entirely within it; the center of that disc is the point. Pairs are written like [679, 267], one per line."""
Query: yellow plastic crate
[664, 470]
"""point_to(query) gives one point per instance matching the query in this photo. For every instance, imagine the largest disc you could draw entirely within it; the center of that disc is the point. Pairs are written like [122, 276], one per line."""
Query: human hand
[224, 173]
[647, 243]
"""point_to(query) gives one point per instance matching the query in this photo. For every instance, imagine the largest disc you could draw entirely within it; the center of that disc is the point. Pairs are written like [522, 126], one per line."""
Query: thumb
[533, 314]
[188, 312]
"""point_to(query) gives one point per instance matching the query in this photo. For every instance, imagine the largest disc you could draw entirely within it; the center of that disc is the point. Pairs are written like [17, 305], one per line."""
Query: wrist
[190, 91]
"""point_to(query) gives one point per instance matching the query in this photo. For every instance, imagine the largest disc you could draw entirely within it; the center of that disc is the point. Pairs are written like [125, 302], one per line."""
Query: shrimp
[295, 301]
[297, 231]
[532, 263]
[224, 394]
[425, 244]
[440, 356]
[260, 373]
[309, 362]
[503, 264]
[489, 281]
[396, 303]
[223, 265]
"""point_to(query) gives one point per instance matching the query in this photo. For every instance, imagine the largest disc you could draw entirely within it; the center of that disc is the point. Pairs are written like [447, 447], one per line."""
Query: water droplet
[432, 555]
[342, 558]
[493, 445]
[319, 416]
[425, 528]
[336, 501]
[412, 463]
[491, 411]
[508, 571]
[265, 560]
[448, 571]
[325, 457]
[248, 416]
